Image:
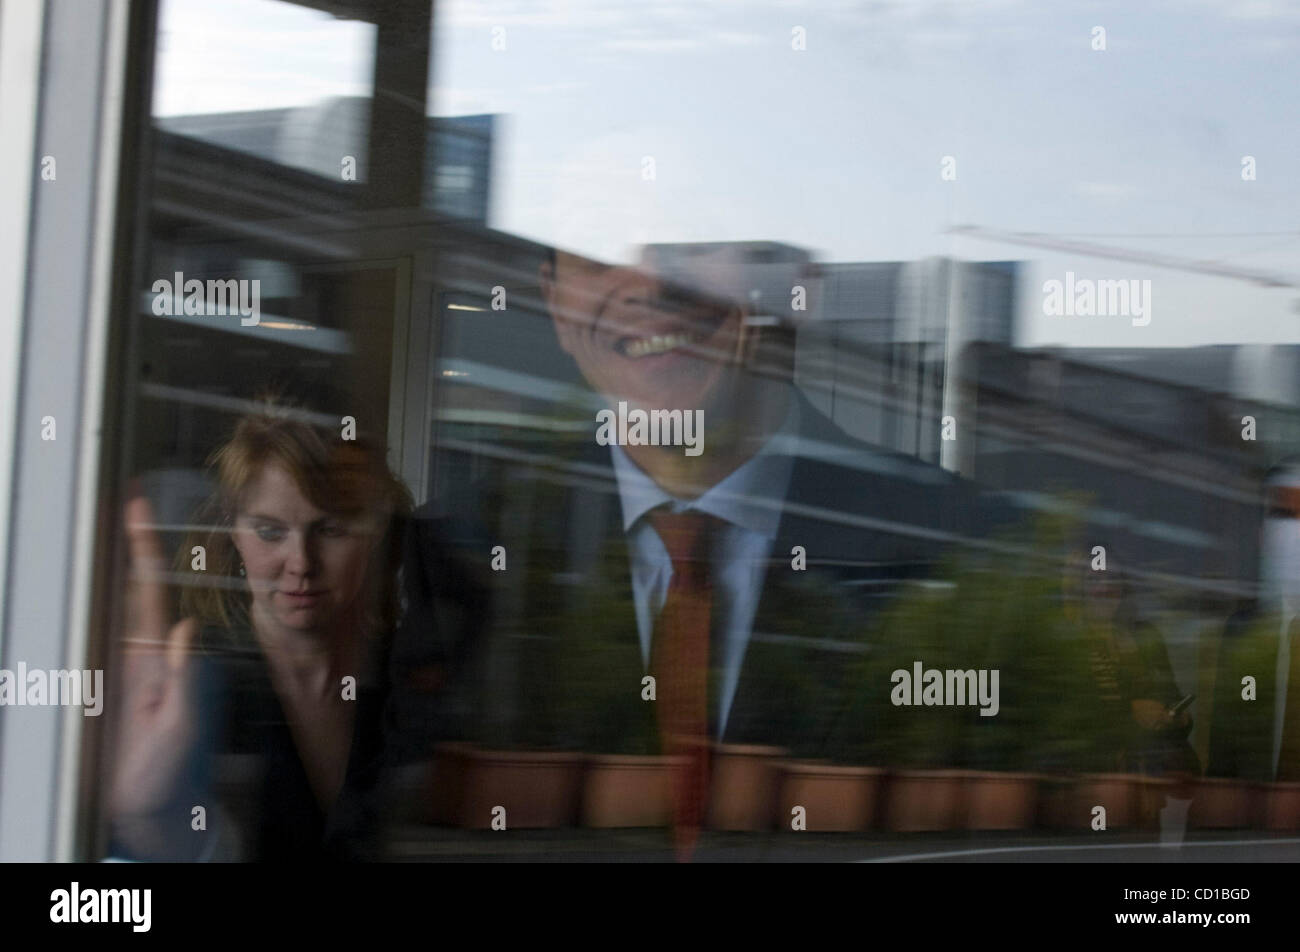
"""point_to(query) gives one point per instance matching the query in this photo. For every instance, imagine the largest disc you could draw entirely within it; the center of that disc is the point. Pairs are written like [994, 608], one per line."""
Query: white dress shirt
[749, 501]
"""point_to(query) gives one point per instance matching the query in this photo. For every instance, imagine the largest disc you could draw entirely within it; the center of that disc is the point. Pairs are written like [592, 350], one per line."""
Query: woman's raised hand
[159, 723]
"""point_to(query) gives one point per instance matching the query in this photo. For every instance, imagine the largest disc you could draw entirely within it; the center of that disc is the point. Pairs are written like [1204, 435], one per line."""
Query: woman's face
[305, 567]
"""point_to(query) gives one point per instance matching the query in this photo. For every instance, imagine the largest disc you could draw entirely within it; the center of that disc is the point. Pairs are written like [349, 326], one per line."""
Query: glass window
[669, 425]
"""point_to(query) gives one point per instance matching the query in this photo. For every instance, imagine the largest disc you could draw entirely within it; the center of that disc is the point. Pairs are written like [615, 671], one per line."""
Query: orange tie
[680, 664]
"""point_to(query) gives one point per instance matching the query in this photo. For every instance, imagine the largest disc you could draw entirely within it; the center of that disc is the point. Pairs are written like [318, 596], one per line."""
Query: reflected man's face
[305, 567]
[639, 339]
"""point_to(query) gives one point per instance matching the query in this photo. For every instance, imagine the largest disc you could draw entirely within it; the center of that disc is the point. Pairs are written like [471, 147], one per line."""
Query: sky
[838, 147]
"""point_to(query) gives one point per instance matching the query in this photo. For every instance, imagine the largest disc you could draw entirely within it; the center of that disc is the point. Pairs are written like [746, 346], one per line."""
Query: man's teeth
[649, 346]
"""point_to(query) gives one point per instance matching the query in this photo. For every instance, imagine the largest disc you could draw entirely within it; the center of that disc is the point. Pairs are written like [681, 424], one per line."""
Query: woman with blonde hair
[281, 653]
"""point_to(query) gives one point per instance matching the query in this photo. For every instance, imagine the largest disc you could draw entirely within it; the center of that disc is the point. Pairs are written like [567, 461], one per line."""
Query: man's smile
[638, 347]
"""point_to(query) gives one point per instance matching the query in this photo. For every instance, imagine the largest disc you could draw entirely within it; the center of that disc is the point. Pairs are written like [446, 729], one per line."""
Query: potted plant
[515, 754]
[982, 626]
[921, 743]
[1080, 737]
[603, 705]
[1082, 741]
[798, 758]
[1239, 796]
[778, 746]
[518, 762]
[955, 763]
[1007, 627]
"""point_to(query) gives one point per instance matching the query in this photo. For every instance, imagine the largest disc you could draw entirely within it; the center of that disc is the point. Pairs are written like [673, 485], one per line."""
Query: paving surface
[440, 844]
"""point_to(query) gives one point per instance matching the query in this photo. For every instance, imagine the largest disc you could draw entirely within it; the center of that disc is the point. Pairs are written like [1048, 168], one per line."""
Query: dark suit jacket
[553, 659]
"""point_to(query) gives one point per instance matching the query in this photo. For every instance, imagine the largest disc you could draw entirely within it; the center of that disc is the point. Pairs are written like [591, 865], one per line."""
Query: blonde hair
[348, 478]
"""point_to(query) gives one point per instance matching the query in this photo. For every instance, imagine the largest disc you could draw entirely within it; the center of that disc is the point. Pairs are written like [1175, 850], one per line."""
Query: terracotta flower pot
[1068, 803]
[1150, 798]
[835, 799]
[446, 783]
[743, 787]
[625, 791]
[1001, 801]
[539, 789]
[920, 800]
[1282, 807]
[1054, 803]
[1224, 804]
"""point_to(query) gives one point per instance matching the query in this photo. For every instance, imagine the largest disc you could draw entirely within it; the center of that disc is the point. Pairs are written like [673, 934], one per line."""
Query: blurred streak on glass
[835, 234]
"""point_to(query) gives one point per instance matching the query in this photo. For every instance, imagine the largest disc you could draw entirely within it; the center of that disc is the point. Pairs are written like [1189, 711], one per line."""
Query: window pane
[646, 427]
